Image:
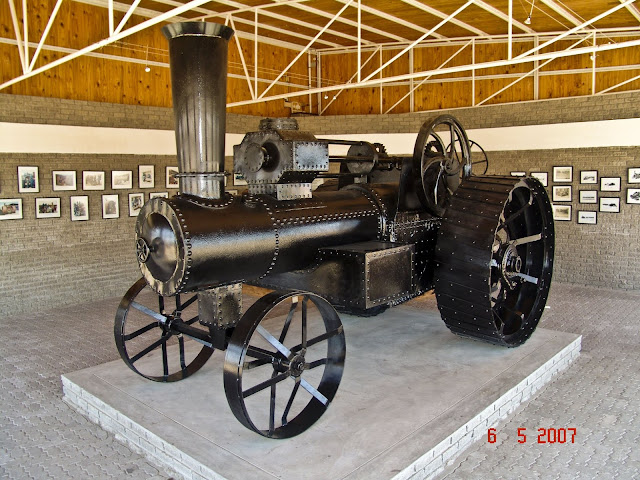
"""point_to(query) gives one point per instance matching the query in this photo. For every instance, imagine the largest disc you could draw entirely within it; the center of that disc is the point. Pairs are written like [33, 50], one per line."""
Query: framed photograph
[146, 176]
[172, 180]
[92, 180]
[47, 207]
[64, 180]
[542, 176]
[588, 196]
[121, 179]
[28, 180]
[610, 204]
[518, 174]
[158, 195]
[110, 206]
[238, 180]
[79, 208]
[562, 193]
[589, 218]
[633, 195]
[562, 174]
[10, 208]
[561, 213]
[588, 177]
[634, 175]
[136, 201]
[610, 184]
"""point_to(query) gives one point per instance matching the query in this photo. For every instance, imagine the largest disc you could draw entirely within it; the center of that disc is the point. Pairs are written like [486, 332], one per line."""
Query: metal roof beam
[633, 10]
[439, 14]
[562, 11]
[503, 16]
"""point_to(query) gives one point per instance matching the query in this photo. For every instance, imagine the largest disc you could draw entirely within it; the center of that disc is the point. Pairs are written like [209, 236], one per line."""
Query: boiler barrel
[186, 243]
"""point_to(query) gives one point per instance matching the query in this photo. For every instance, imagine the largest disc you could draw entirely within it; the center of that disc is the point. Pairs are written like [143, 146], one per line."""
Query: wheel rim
[284, 363]
[442, 166]
[146, 341]
[521, 262]
[482, 164]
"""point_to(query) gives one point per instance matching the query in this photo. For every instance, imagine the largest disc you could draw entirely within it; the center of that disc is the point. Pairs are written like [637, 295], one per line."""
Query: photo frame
[92, 180]
[543, 177]
[10, 208]
[28, 180]
[562, 193]
[158, 195]
[146, 176]
[172, 180]
[79, 207]
[587, 218]
[563, 174]
[589, 177]
[561, 213]
[136, 202]
[634, 175]
[518, 174]
[121, 179]
[588, 196]
[48, 207]
[110, 206]
[633, 195]
[238, 180]
[64, 180]
[610, 184]
[610, 204]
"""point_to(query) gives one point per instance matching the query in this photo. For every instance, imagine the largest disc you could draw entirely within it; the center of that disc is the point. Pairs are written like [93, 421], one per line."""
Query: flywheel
[494, 258]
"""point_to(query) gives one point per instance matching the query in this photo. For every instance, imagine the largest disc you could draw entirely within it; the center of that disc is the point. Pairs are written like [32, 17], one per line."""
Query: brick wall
[51, 262]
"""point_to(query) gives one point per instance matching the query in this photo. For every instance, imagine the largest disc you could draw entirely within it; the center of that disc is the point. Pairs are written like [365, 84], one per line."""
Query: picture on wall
[121, 179]
[634, 175]
[146, 176]
[238, 180]
[588, 196]
[589, 177]
[562, 213]
[158, 195]
[589, 218]
[518, 174]
[48, 207]
[562, 174]
[562, 193]
[110, 206]
[10, 208]
[633, 195]
[79, 208]
[610, 184]
[28, 180]
[136, 201]
[64, 180]
[92, 180]
[172, 180]
[610, 204]
[542, 176]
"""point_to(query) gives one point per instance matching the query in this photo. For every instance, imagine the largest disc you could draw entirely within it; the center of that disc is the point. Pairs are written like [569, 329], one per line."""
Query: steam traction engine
[393, 228]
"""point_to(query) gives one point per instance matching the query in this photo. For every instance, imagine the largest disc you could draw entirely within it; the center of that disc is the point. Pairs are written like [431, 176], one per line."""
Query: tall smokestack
[198, 59]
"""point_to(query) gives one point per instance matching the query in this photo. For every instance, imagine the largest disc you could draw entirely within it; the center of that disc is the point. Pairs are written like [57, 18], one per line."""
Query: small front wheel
[284, 363]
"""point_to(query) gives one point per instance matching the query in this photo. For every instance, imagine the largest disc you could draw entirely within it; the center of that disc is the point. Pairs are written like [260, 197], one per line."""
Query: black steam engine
[386, 230]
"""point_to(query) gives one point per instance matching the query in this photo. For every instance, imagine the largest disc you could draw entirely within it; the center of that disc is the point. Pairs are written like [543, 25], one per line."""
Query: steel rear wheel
[146, 338]
[284, 363]
[494, 259]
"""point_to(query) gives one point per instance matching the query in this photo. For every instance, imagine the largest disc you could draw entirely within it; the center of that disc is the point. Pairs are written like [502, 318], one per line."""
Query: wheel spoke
[188, 302]
[527, 278]
[287, 323]
[290, 402]
[165, 361]
[193, 320]
[146, 310]
[151, 347]
[273, 341]
[266, 384]
[529, 239]
[260, 353]
[160, 303]
[319, 338]
[311, 389]
[272, 407]
[140, 331]
[183, 365]
[315, 363]
[304, 321]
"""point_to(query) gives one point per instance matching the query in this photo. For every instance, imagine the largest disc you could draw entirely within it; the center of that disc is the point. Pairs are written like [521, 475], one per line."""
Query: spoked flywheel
[494, 259]
[443, 154]
[148, 337]
[284, 363]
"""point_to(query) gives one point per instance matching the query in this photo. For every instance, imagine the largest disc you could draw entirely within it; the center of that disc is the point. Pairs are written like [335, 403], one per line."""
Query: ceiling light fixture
[528, 19]
[146, 60]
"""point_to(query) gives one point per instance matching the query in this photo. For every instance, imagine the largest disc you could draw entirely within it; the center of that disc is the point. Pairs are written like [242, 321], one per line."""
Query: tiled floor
[41, 437]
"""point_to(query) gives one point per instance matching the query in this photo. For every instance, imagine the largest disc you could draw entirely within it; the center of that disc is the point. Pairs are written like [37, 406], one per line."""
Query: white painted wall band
[34, 138]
